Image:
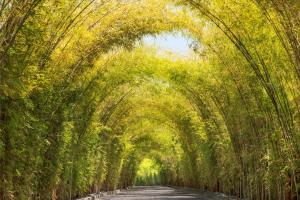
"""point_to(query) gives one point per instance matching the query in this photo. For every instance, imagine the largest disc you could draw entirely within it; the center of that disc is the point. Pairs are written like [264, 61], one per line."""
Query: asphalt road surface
[165, 193]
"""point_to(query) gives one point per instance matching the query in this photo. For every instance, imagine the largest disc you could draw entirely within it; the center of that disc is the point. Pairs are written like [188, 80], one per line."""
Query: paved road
[164, 193]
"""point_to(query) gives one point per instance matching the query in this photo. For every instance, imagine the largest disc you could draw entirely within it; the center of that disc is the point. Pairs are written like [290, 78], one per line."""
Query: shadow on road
[164, 193]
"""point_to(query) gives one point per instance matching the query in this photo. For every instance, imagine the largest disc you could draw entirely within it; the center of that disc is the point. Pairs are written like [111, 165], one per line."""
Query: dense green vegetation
[148, 173]
[83, 103]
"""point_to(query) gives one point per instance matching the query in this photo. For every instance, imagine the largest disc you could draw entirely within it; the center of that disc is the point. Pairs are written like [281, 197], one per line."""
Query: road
[164, 193]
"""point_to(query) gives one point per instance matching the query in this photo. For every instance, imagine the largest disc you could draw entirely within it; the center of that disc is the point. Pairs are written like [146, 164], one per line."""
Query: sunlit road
[164, 193]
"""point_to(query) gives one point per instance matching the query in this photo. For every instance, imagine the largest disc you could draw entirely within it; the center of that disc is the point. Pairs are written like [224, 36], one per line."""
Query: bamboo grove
[83, 102]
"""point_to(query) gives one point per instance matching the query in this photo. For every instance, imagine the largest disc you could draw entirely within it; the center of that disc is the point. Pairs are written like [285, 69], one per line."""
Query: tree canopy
[85, 106]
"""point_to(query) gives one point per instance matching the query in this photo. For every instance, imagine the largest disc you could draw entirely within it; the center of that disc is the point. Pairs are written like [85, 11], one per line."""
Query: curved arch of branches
[83, 102]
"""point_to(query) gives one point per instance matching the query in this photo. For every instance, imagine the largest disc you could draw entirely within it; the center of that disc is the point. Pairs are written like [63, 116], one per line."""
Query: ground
[164, 193]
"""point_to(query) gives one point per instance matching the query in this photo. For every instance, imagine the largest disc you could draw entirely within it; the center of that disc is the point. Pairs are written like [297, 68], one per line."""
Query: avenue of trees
[83, 102]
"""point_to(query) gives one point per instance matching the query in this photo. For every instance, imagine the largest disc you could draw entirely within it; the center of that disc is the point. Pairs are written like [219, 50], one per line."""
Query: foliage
[84, 106]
